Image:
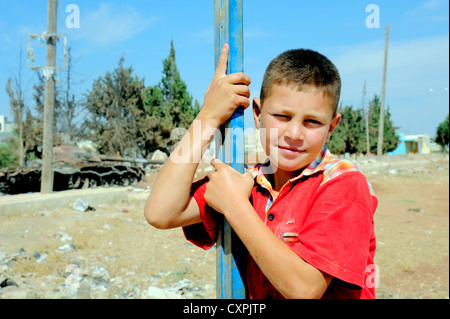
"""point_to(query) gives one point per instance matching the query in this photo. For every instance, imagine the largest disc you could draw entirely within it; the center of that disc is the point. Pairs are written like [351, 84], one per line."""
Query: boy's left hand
[227, 187]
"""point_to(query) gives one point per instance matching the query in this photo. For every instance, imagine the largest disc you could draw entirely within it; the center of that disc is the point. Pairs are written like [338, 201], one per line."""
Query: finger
[241, 89]
[216, 163]
[242, 101]
[221, 68]
[239, 78]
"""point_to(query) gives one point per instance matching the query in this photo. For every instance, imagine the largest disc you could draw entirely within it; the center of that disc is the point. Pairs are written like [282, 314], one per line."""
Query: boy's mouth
[290, 149]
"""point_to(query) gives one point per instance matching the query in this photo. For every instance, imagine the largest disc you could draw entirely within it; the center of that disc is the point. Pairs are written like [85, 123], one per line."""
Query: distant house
[5, 125]
[6, 128]
[414, 144]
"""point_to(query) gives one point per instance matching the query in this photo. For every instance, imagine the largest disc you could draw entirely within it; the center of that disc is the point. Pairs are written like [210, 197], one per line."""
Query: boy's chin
[285, 165]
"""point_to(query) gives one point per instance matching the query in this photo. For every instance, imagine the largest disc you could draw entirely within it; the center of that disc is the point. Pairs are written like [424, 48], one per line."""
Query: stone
[83, 292]
[80, 205]
[159, 156]
[100, 273]
[158, 293]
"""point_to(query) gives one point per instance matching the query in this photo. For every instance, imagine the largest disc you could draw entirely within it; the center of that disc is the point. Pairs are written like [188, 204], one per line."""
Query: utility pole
[383, 89]
[49, 100]
[230, 252]
[366, 113]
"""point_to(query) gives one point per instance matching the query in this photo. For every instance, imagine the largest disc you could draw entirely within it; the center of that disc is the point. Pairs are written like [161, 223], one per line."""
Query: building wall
[413, 144]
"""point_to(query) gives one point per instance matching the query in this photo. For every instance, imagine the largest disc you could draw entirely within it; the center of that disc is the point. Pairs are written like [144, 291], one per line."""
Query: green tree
[168, 105]
[115, 103]
[443, 134]
[7, 157]
[390, 138]
[176, 101]
[349, 135]
[128, 118]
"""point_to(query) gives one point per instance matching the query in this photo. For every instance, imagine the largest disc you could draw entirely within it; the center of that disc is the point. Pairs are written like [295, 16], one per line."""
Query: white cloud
[109, 25]
[412, 65]
[432, 4]
[431, 11]
[413, 68]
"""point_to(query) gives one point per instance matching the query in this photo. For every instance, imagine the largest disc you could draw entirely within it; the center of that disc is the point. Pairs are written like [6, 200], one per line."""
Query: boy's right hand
[225, 93]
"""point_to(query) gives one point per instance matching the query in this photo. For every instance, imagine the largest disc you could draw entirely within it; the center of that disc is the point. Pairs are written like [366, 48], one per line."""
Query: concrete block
[11, 205]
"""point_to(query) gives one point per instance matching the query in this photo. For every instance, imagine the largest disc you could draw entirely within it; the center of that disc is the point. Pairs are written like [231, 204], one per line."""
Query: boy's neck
[280, 178]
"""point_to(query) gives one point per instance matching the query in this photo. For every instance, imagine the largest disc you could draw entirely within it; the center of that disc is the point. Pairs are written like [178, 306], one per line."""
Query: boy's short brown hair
[304, 69]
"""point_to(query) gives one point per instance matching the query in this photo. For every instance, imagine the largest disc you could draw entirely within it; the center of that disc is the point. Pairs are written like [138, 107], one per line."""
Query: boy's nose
[294, 132]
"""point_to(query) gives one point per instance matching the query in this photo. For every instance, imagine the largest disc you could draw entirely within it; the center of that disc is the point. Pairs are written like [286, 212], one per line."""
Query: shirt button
[270, 217]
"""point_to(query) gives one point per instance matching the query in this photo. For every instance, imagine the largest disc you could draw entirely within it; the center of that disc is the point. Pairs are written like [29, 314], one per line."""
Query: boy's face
[303, 121]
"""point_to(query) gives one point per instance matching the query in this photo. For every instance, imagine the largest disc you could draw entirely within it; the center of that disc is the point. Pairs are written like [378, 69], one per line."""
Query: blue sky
[142, 30]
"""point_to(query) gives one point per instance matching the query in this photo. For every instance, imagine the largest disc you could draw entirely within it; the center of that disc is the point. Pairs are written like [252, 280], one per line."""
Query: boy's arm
[293, 277]
[228, 192]
[170, 203]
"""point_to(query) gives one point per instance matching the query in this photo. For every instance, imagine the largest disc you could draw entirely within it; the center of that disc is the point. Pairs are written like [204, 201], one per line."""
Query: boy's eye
[281, 116]
[313, 122]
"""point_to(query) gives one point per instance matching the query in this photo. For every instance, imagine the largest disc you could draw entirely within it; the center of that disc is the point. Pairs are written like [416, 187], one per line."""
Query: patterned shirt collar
[259, 171]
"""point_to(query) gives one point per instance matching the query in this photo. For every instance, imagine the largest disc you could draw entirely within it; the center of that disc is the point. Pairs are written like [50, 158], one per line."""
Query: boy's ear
[256, 112]
[334, 123]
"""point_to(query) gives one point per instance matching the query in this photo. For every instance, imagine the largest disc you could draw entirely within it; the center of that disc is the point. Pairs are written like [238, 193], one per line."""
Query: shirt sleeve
[202, 234]
[337, 235]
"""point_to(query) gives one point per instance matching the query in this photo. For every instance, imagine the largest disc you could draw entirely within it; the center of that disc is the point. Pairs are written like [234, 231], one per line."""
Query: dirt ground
[111, 252]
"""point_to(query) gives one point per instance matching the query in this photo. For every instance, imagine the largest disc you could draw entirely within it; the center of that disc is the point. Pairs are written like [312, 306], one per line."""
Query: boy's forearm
[171, 191]
[288, 273]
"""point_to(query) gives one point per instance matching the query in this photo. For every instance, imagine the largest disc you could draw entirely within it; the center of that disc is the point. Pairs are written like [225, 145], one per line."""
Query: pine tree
[168, 106]
[390, 138]
[177, 102]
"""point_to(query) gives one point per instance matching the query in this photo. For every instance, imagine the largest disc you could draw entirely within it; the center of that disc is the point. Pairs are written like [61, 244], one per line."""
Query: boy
[305, 218]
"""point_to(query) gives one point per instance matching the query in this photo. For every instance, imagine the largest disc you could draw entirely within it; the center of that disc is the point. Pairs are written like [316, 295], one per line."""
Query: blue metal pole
[231, 254]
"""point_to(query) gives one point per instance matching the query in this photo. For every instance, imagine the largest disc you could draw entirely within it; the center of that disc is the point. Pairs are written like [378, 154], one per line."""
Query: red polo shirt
[325, 215]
